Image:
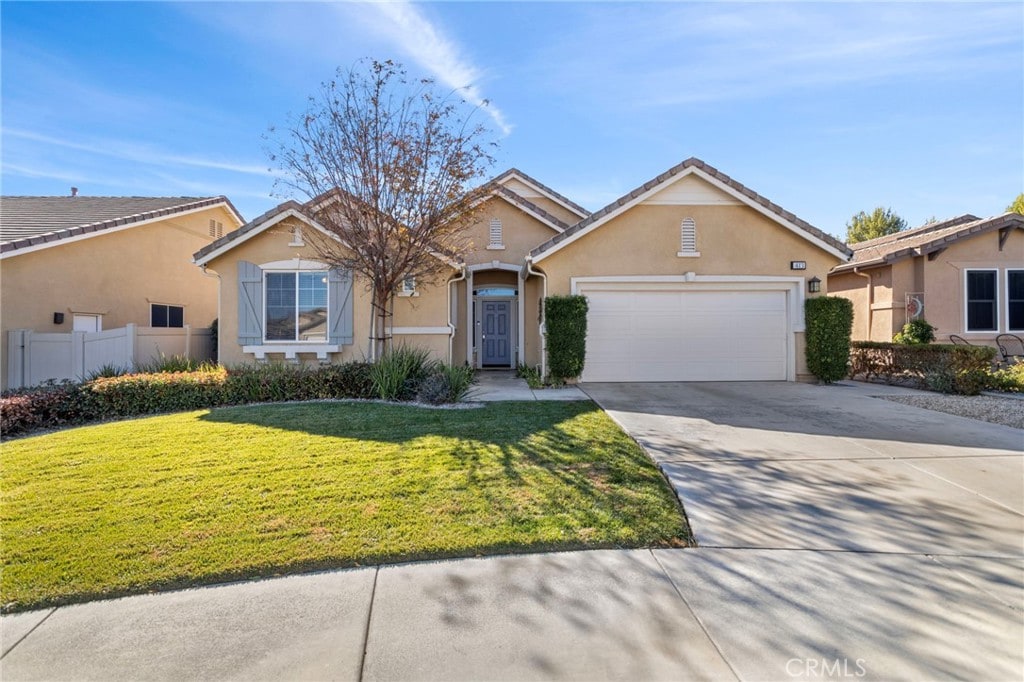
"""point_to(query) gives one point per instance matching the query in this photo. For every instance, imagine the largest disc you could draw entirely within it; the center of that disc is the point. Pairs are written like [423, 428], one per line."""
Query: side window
[161, 315]
[1015, 300]
[982, 301]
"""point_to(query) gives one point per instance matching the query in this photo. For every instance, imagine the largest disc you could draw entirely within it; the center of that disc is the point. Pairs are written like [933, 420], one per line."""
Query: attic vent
[496, 235]
[216, 229]
[688, 238]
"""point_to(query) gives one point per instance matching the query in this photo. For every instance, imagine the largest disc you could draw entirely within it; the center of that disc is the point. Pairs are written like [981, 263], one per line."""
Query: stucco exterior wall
[116, 274]
[521, 234]
[731, 240]
[945, 283]
[941, 280]
[269, 246]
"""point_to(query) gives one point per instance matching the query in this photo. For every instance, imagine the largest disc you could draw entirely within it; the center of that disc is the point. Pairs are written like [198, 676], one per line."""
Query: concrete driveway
[838, 526]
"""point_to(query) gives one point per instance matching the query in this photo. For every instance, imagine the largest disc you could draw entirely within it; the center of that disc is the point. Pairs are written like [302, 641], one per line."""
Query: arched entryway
[493, 302]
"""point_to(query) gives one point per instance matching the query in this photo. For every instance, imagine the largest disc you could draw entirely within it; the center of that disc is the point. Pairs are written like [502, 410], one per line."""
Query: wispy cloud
[411, 31]
[721, 53]
[137, 152]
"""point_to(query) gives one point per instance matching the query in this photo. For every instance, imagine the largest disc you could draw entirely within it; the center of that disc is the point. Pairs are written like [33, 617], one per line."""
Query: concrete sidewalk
[603, 615]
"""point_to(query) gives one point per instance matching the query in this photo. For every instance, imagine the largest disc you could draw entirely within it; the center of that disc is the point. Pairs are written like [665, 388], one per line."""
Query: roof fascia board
[524, 209]
[543, 192]
[260, 229]
[97, 233]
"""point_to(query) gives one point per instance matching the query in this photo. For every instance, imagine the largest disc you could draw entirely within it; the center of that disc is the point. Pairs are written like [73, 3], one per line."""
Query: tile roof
[291, 204]
[30, 221]
[530, 207]
[925, 239]
[695, 163]
[564, 199]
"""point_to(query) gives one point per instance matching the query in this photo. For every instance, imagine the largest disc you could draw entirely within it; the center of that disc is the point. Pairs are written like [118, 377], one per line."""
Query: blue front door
[496, 334]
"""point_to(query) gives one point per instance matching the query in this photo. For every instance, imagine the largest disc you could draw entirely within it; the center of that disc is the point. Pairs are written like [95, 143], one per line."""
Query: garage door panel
[680, 335]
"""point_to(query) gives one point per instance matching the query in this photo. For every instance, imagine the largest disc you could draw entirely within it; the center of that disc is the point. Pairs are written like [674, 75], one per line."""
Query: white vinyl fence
[36, 357]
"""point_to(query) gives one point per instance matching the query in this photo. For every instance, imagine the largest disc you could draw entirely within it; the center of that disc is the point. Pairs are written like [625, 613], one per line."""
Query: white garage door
[673, 335]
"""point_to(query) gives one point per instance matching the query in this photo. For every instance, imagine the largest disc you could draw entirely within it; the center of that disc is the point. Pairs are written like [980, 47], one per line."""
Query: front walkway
[494, 385]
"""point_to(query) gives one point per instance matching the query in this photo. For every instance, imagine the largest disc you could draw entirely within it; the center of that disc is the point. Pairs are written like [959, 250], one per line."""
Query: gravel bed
[997, 410]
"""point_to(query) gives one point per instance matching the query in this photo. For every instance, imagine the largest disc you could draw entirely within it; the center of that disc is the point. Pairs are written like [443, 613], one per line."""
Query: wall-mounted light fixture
[797, 265]
[814, 285]
[58, 318]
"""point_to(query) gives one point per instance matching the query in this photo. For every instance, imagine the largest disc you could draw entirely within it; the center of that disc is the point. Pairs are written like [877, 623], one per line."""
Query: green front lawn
[238, 492]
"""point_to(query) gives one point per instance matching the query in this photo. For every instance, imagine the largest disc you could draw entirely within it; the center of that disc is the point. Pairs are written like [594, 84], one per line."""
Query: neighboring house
[83, 263]
[691, 276]
[964, 275]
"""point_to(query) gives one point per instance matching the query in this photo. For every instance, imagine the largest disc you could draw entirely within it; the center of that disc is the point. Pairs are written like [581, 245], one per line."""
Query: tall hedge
[566, 321]
[829, 321]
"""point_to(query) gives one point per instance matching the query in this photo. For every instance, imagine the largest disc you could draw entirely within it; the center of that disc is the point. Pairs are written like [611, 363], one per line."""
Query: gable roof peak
[709, 172]
[565, 201]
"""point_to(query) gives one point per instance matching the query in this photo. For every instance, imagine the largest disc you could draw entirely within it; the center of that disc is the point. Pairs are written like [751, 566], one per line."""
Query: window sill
[688, 254]
[290, 350]
[495, 247]
[408, 294]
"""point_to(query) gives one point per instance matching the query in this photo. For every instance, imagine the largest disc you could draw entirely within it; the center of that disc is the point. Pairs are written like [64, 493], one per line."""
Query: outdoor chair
[959, 340]
[1012, 348]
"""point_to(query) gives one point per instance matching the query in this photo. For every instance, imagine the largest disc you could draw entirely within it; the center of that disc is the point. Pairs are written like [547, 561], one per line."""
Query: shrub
[937, 367]
[566, 321]
[531, 374]
[173, 364]
[1009, 379]
[266, 383]
[107, 370]
[829, 321]
[915, 332]
[347, 380]
[397, 375]
[134, 394]
[46, 406]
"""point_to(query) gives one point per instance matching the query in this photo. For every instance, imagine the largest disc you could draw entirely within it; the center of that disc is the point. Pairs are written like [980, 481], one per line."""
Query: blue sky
[825, 108]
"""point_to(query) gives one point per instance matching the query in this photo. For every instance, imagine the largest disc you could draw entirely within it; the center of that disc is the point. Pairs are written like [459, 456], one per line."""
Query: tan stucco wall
[941, 280]
[732, 240]
[117, 274]
[521, 234]
[944, 281]
[267, 247]
[428, 308]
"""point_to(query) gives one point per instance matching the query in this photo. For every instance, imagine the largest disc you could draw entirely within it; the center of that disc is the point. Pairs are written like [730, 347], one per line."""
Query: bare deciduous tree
[387, 164]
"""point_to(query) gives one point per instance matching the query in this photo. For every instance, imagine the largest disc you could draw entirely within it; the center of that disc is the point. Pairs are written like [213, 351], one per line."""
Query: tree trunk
[382, 315]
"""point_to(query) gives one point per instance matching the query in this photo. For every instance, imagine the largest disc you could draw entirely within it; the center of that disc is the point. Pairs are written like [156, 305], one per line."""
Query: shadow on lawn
[530, 449]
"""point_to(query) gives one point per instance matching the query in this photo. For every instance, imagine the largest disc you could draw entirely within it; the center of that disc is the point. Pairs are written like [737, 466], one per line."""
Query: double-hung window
[982, 300]
[1015, 300]
[296, 306]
